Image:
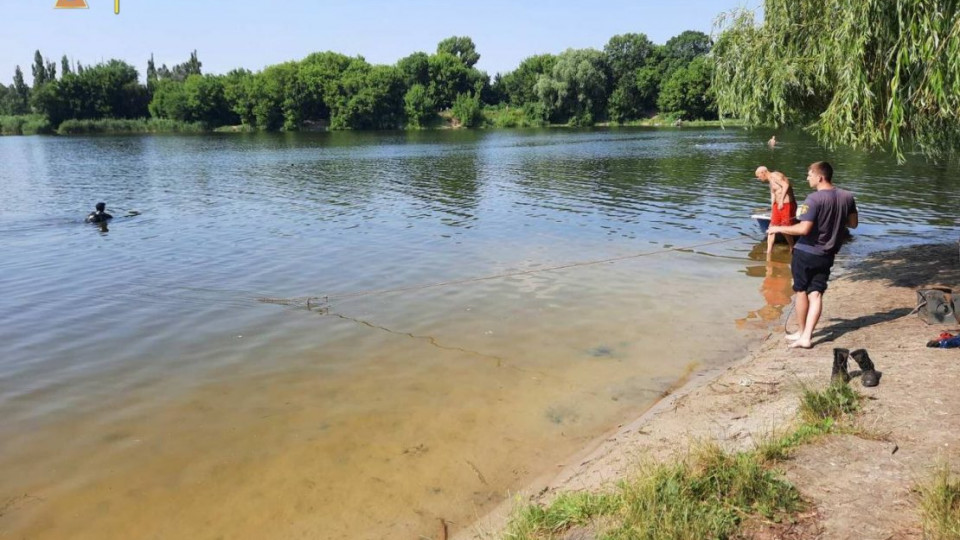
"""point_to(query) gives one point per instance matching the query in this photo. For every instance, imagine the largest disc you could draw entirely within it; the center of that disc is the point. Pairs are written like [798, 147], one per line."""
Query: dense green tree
[575, 90]
[450, 77]
[647, 80]
[236, 84]
[264, 93]
[151, 73]
[863, 72]
[687, 92]
[65, 66]
[51, 71]
[169, 100]
[497, 92]
[368, 97]
[467, 109]
[180, 72]
[199, 98]
[680, 50]
[518, 85]
[418, 106]
[276, 102]
[206, 101]
[39, 70]
[462, 47]
[415, 69]
[109, 90]
[318, 75]
[7, 97]
[625, 54]
[21, 98]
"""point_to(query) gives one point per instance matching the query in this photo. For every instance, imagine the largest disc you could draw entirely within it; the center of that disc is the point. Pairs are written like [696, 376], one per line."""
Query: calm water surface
[354, 335]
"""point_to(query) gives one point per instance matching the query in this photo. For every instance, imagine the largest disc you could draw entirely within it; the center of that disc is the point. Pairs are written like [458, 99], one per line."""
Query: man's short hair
[101, 207]
[822, 168]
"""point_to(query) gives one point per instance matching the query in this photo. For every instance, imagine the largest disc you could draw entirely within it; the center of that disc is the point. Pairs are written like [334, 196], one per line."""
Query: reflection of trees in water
[449, 184]
[626, 190]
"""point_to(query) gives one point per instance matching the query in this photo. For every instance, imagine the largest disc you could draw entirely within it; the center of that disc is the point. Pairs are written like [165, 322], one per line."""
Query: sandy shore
[859, 487]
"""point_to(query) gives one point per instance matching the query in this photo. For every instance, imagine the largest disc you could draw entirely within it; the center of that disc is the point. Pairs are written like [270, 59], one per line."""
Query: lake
[354, 335]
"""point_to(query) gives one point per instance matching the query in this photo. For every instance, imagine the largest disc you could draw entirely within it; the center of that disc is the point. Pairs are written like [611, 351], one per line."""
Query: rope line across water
[327, 298]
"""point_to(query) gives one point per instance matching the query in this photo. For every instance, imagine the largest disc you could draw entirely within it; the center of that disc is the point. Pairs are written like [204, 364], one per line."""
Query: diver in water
[99, 215]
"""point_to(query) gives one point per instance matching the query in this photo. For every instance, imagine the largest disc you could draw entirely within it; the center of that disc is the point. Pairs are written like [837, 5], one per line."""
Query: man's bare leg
[789, 241]
[801, 307]
[813, 316]
[771, 238]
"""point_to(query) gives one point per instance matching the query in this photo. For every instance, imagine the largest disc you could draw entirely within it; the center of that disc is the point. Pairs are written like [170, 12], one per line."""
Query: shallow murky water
[353, 335]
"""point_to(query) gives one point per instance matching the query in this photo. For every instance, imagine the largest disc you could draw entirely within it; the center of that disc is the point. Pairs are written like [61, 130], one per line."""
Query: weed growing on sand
[566, 511]
[776, 449]
[821, 412]
[834, 402]
[940, 504]
[709, 493]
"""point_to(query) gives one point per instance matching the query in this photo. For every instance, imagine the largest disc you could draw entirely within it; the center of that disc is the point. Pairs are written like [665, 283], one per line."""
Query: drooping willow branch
[866, 73]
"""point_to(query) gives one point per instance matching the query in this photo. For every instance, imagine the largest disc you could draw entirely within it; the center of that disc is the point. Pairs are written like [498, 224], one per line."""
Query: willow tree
[866, 73]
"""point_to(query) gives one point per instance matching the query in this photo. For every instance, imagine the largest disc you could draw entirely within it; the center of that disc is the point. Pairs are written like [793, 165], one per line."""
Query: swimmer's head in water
[101, 206]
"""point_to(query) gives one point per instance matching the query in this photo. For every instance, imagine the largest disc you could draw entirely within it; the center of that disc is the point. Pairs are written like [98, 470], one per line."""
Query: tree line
[630, 79]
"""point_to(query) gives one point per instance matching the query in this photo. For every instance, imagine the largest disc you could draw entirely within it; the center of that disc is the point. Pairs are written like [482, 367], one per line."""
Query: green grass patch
[777, 449]
[127, 125]
[940, 506]
[708, 493]
[505, 116]
[835, 402]
[241, 128]
[566, 511]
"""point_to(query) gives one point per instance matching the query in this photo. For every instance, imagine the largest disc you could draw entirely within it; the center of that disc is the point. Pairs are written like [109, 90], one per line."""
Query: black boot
[840, 366]
[869, 376]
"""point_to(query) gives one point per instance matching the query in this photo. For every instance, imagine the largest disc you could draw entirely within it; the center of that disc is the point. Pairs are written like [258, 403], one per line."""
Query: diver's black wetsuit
[99, 214]
[98, 217]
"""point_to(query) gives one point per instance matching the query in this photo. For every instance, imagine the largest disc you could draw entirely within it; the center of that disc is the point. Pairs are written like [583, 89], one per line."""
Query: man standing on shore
[824, 218]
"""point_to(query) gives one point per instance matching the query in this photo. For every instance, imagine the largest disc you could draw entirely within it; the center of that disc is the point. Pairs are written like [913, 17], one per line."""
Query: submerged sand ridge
[859, 487]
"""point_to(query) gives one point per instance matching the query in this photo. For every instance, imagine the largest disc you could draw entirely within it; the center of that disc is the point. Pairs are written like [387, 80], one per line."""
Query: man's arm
[853, 220]
[799, 229]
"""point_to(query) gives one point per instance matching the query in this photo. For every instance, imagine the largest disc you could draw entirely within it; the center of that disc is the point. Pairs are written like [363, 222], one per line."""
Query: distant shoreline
[37, 125]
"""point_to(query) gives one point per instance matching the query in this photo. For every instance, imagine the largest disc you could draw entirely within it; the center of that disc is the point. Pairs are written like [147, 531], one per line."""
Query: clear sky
[254, 34]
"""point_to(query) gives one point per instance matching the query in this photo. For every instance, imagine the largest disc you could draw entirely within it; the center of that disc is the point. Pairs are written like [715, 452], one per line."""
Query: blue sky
[253, 34]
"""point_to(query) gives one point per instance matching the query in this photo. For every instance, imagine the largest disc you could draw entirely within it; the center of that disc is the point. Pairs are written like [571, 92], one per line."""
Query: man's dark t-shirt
[829, 210]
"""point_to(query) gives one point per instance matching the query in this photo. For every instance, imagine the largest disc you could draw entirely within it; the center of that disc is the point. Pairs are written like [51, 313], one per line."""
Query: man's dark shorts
[810, 272]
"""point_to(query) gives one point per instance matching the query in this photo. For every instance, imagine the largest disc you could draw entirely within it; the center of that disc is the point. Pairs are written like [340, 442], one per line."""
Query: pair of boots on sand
[869, 376]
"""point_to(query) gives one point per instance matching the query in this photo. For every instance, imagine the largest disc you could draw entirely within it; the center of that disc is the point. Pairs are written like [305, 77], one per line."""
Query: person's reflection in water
[103, 227]
[776, 289]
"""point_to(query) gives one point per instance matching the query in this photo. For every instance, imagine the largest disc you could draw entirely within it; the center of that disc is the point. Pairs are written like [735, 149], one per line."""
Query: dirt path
[859, 487]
